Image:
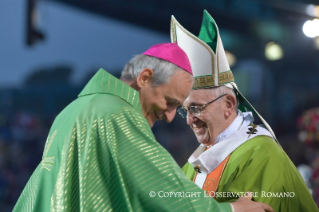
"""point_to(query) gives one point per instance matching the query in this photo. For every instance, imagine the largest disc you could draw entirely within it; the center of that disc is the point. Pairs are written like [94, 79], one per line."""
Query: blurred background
[49, 49]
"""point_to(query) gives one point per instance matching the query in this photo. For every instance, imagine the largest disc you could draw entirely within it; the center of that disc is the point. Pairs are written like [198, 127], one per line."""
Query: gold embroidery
[108, 86]
[82, 138]
[114, 91]
[47, 162]
[60, 190]
[205, 81]
[102, 81]
[225, 77]
[133, 98]
[128, 95]
[197, 169]
[252, 130]
[207, 183]
[173, 32]
[208, 81]
[122, 90]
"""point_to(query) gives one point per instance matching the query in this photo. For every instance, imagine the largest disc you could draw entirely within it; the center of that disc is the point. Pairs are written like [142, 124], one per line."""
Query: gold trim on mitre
[207, 81]
[225, 77]
[203, 82]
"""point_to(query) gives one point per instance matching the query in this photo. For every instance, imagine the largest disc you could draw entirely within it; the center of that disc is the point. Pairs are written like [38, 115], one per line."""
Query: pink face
[211, 122]
[161, 102]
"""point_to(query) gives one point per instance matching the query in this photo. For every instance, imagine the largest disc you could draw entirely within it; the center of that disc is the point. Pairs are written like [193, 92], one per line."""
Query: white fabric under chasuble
[226, 142]
[200, 179]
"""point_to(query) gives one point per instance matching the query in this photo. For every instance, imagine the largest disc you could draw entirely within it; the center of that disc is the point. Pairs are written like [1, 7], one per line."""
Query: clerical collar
[232, 137]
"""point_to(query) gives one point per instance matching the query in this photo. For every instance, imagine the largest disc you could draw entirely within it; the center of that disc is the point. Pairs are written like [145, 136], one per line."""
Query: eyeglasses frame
[200, 108]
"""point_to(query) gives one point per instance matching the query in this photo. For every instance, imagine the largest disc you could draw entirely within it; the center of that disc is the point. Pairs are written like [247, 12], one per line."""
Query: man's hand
[245, 204]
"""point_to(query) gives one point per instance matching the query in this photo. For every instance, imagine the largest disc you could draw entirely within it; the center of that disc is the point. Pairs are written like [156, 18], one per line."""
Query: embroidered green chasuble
[262, 167]
[101, 155]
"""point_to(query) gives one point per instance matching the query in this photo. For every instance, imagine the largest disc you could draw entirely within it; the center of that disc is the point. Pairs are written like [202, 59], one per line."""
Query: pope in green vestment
[101, 155]
[257, 163]
[262, 167]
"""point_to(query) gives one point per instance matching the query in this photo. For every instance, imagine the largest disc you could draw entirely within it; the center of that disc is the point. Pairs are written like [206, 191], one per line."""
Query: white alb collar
[233, 137]
[235, 125]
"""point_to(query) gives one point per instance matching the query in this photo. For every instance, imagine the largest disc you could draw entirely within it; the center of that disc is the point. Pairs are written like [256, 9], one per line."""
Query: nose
[169, 115]
[190, 119]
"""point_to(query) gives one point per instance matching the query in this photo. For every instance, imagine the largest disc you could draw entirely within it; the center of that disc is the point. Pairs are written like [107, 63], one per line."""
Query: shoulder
[261, 142]
[108, 102]
[260, 146]
[106, 105]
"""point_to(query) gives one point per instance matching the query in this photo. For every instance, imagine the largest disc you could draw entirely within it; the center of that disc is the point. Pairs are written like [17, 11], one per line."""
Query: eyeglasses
[195, 110]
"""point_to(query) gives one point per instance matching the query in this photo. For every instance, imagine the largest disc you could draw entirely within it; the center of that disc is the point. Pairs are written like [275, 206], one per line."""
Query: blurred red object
[308, 126]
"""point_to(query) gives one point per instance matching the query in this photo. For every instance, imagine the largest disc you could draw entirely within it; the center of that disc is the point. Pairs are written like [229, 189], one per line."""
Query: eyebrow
[175, 101]
[195, 104]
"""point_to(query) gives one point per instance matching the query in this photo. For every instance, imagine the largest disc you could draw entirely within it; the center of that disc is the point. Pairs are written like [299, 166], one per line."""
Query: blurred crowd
[22, 139]
[23, 135]
[308, 134]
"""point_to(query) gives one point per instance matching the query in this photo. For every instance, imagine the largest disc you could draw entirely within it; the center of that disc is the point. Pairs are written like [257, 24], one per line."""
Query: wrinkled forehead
[180, 85]
[198, 97]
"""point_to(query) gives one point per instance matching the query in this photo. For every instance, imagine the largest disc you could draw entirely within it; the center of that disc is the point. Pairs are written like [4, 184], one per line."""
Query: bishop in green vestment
[101, 155]
[235, 155]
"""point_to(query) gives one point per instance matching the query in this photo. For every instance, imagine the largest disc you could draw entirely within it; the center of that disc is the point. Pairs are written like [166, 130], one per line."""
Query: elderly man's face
[160, 102]
[211, 122]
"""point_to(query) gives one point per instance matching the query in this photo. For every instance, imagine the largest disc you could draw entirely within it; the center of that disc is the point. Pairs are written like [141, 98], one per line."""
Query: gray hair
[163, 69]
[220, 90]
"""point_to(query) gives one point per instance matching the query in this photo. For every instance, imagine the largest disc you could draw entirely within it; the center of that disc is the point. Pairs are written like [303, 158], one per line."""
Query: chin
[202, 139]
[203, 142]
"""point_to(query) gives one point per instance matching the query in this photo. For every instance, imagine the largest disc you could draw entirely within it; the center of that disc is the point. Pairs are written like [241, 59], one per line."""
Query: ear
[144, 77]
[230, 105]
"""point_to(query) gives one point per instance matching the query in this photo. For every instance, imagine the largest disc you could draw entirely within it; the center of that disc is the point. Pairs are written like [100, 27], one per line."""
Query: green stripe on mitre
[244, 105]
[203, 76]
[208, 31]
[203, 87]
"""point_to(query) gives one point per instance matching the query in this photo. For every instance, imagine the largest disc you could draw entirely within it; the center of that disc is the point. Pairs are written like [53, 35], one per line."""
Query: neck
[233, 123]
[131, 83]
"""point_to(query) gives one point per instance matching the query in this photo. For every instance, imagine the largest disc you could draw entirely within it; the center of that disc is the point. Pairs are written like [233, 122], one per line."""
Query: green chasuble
[101, 155]
[262, 167]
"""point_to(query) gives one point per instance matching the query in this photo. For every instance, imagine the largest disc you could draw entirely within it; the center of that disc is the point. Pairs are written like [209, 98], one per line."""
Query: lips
[199, 128]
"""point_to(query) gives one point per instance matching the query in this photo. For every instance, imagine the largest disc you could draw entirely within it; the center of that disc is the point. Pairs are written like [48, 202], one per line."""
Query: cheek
[188, 120]
[207, 117]
[159, 102]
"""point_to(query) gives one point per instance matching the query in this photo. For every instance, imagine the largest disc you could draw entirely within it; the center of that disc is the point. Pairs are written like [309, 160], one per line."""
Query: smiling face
[214, 118]
[160, 102]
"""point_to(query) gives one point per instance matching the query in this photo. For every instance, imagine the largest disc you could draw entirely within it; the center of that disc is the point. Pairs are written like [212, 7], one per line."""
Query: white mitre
[208, 60]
